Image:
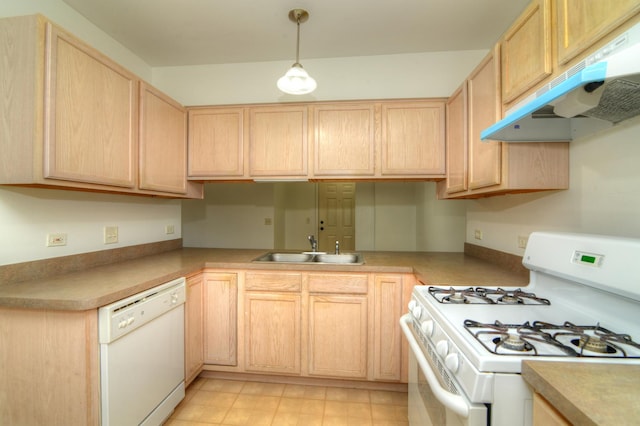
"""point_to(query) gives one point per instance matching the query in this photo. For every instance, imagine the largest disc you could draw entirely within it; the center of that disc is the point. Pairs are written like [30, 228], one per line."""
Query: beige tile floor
[230, 402]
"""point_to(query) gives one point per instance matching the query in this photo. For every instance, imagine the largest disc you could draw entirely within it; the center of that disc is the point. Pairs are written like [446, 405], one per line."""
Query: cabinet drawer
[279, 281]
[339, 283]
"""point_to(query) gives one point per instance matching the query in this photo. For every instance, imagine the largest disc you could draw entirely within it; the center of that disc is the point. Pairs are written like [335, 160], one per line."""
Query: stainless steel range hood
[599, 92]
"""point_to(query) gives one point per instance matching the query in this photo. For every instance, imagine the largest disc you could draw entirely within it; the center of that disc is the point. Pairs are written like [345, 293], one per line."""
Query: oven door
[429, 402]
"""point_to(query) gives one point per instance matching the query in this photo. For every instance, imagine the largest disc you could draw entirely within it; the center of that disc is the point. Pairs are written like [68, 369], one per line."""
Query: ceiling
[193, 32]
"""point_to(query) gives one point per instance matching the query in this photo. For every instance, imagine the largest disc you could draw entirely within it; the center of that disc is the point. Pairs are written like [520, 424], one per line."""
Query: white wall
[27, 215]
[63, 15]
[366, 77]
[604, 195]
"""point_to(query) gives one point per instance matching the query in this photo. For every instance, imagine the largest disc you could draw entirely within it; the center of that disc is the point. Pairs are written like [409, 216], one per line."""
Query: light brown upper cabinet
[216, 143]
[580, 23]
[278, 146]
[163, 142]
[456, 141]
[72, 118]
[494, 167]
[343, 140]
[526, 50]
[90, 114]
[413, 139]
[485, 108]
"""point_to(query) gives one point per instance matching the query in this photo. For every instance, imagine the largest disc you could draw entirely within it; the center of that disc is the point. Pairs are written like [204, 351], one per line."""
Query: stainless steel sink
[286, 257]
[337, 258]
[310, 257]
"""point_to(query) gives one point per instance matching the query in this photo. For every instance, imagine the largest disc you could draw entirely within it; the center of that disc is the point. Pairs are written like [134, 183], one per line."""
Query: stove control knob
[427, 327]
[412, 304]
[442, 348]
[452, 361]
[417, 311]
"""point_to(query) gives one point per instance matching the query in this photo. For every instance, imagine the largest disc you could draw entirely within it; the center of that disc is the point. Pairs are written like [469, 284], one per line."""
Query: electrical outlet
[169, 229]
[110, 234]
[477, 234]
[59, 239]
[267, 221]
[522, 241]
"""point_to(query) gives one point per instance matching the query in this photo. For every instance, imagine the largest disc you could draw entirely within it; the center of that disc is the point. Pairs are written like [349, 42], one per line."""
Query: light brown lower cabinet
[544, 414]
[193, 328]
[49, 367]
[272, 332]
[388, 308]
[272, 322]
[313, 324]
[220, 318]
[338, 325]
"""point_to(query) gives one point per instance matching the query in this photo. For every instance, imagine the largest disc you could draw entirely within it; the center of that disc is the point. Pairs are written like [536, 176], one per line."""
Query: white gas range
[468, 343]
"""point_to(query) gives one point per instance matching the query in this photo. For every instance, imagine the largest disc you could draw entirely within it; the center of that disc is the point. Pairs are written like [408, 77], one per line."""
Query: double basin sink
[311, 257]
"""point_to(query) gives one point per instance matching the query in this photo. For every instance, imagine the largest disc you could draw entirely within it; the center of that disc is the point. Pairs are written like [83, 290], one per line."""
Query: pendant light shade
[297, 81]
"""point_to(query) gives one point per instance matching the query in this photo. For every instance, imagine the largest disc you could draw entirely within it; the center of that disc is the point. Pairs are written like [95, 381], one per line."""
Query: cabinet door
[388, 308]
[193, 333]
[544, 414]
[580, 23]
[163, 142]
[216, 143]
[50, 367]
[457, 141]
[272, 332]
[220, 318]
[344, 140]
[338, 335]
[90, 115]
[278, 141]
[413, 141]
[484, 110]
[526, 50]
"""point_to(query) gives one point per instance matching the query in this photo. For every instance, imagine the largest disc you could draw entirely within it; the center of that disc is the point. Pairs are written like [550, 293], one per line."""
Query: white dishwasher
[142, 356]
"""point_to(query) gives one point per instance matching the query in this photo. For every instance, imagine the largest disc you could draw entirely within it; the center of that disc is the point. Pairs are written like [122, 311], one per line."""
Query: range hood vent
[600, 91]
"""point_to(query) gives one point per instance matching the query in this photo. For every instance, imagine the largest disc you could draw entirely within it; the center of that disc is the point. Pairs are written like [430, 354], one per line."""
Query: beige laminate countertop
[99, 286]
[588, 393]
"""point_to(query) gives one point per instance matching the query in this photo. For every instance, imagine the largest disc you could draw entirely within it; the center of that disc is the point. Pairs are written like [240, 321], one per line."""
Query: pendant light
[297, 81]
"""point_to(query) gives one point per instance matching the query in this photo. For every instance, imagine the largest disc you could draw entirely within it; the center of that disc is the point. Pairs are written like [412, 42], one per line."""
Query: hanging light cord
[298, 41]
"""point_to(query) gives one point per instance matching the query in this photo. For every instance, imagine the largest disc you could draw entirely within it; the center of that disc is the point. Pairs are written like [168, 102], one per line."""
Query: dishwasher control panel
[122, 317]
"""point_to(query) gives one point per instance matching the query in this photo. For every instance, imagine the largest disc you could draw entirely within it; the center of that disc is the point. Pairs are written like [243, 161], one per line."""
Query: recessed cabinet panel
[526, 51]
[194, 328]
[338, 336]
[344, 140]
[90, 120]
[220, 318]
[457, 138]
[216, 143]
[484, 110]
[163, 142]
[580, 23]
[387, 353]
[278, 141]
[272, 332]
[413, 139]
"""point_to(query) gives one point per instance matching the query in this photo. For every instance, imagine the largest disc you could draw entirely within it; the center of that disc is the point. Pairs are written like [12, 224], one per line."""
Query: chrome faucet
[337, 247]
[313, 242]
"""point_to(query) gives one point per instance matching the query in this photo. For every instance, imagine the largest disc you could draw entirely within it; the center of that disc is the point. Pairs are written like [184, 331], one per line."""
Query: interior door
[336, 216]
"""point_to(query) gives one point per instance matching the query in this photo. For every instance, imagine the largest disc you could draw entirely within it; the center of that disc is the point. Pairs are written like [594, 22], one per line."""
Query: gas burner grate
[485, 296]
[544, 339]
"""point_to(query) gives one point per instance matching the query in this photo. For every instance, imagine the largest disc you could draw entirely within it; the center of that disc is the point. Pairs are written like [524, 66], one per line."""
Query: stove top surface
[485, 296]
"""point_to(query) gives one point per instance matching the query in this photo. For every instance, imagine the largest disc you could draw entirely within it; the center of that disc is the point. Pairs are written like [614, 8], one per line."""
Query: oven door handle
[455, 403]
